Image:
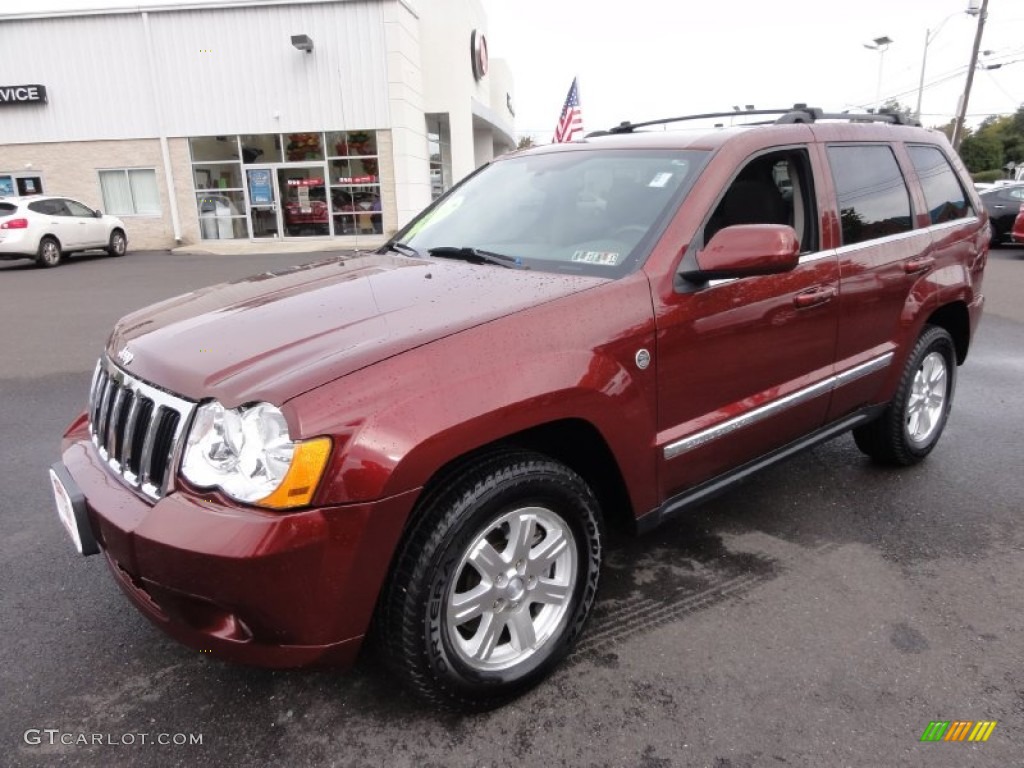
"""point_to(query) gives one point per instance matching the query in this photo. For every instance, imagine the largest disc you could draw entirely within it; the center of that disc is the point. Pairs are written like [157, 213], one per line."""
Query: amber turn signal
[299, 484]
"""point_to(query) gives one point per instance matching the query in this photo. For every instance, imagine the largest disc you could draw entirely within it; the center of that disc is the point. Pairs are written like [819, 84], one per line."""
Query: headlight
[247, 453]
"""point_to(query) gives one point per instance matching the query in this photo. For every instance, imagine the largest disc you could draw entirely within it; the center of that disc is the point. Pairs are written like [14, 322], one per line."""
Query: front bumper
[251, 586]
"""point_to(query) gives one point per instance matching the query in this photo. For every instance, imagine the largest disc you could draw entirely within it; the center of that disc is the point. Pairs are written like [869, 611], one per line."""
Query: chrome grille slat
[112, 418]
[127, 438]
[145, 463]
[137, 428]
[104, 405]
[121, 424]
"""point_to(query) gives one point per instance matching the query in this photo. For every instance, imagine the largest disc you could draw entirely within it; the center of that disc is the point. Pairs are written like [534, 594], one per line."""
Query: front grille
[137, 428]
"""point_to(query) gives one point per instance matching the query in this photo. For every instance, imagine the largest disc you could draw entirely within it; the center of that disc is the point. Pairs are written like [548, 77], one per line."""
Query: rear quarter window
[42, 206]
[942, 190]
[871, 192]
[7, 209]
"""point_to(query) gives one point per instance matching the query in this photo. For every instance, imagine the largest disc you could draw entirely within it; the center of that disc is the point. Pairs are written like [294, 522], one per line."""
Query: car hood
[276, 335]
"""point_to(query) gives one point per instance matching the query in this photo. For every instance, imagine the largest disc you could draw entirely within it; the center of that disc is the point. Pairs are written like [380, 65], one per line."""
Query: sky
[644, 59]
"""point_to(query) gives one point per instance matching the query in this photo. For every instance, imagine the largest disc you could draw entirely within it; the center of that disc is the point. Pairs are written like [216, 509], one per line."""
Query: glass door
[263, 207]
[304, 208]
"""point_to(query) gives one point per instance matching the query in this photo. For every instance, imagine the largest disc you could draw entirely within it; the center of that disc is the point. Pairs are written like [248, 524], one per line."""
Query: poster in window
[260, 190]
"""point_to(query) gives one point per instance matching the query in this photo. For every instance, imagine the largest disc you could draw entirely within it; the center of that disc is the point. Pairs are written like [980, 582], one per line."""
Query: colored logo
[958, 730]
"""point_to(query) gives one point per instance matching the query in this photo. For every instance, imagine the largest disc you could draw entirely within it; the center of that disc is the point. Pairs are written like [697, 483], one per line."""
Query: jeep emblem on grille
[125, 356]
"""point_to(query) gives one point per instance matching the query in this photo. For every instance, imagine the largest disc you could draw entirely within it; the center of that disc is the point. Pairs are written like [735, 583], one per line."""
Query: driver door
[744, 364]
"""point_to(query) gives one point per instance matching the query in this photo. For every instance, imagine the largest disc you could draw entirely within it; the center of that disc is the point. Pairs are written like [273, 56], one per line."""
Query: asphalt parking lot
[820, 615]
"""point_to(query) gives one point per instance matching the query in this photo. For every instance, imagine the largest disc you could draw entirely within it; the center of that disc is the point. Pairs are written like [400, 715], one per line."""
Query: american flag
[571, 121]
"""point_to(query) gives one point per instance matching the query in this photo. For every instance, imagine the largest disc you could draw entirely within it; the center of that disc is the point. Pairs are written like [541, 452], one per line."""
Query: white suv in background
[46, 227]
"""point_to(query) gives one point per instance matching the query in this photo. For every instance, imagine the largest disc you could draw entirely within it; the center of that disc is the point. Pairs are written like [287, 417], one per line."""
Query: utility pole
[958, 127]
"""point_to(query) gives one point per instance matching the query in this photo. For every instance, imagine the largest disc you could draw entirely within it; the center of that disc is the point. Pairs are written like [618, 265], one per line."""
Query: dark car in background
[1003, 203]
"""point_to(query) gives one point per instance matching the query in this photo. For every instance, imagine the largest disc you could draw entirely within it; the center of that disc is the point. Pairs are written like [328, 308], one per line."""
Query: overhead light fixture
[303, 43]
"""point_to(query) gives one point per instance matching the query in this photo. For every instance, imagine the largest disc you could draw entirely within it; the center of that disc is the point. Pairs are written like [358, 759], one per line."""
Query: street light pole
[958, 127]
[924, 62]
[929, 38]
[880, 44]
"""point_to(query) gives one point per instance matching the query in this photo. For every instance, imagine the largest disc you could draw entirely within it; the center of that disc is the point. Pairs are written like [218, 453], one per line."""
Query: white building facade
[251, 119]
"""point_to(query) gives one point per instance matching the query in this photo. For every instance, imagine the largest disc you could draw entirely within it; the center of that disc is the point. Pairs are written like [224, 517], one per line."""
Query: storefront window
[261, 148]
[355, 182]
[217, 175]
[352, 143]
[222, 215]
[439, 145]
[336, 190]
[303, 146]
[213, 148]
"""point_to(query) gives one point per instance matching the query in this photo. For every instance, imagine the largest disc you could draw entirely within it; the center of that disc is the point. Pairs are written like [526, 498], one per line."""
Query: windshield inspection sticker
[660, 180]
[607, 258]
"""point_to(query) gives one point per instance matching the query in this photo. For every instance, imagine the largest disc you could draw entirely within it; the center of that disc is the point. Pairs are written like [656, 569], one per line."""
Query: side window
[44, 207]
[77, 209]
[774, 188]
[872, 194]
[942, 192]
[1017, 193]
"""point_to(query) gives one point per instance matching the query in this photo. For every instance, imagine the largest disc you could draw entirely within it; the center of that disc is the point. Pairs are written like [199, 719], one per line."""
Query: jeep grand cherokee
[431, 438]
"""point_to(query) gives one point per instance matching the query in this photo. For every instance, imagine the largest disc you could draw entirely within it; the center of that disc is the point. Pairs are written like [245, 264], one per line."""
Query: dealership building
[250, 119]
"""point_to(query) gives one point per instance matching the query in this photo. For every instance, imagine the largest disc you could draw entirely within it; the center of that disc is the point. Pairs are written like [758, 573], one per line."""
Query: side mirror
[98, 213]
[745, 250]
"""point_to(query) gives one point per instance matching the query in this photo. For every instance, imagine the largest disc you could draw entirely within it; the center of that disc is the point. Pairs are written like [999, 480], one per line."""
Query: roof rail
[798, 113]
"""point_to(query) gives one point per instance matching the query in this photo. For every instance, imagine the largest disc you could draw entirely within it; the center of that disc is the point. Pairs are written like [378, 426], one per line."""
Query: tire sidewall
[112, 249]
[934, 340]
[41, 260]
[579, 514]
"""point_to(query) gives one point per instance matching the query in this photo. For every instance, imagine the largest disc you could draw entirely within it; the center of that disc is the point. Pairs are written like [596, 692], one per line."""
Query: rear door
[881, 256]
[53, 218]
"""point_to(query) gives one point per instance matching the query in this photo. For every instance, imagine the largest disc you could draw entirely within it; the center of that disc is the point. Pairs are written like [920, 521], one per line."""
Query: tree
[892, 105]
[981, 152]
[525, 142]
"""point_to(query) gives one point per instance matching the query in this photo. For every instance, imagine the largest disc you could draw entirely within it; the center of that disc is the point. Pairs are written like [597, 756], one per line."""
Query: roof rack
[798, 113]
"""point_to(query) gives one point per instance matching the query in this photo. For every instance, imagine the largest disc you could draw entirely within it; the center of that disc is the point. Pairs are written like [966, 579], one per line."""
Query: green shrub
[989, 176]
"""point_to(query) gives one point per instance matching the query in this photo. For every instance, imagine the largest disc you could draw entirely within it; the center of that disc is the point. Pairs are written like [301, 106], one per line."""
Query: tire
[470, 619]
[49, 254]
[118, 245]
[912, 423]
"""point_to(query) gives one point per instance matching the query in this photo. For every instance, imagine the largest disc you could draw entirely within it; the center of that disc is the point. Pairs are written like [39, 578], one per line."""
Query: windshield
[593, 212]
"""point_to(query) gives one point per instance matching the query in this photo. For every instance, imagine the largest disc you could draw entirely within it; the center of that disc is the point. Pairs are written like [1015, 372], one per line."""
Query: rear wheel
[118, 243]
[493, 583]
[49, 253]
[911, 425]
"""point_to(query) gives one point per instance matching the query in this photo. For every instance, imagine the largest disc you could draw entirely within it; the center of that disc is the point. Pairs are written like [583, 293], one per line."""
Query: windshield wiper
[402, 248]
[475, 255]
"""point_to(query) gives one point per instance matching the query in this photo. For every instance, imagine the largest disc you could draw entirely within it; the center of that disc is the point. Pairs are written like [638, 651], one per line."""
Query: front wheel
[493, 583]
[118, 244]
[911, 425]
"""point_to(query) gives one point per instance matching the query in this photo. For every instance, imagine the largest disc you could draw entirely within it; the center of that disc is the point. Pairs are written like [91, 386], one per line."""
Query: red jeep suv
[431, 439]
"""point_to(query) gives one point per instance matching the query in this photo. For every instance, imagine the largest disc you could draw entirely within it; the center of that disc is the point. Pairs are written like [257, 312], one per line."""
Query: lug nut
[499, 604]
[521, 566]
[502, 580]
[531, 582]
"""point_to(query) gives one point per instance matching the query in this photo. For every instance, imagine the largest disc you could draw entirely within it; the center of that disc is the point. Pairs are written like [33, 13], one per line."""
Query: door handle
[1000, 207]
[920, 264]
[814, 296]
